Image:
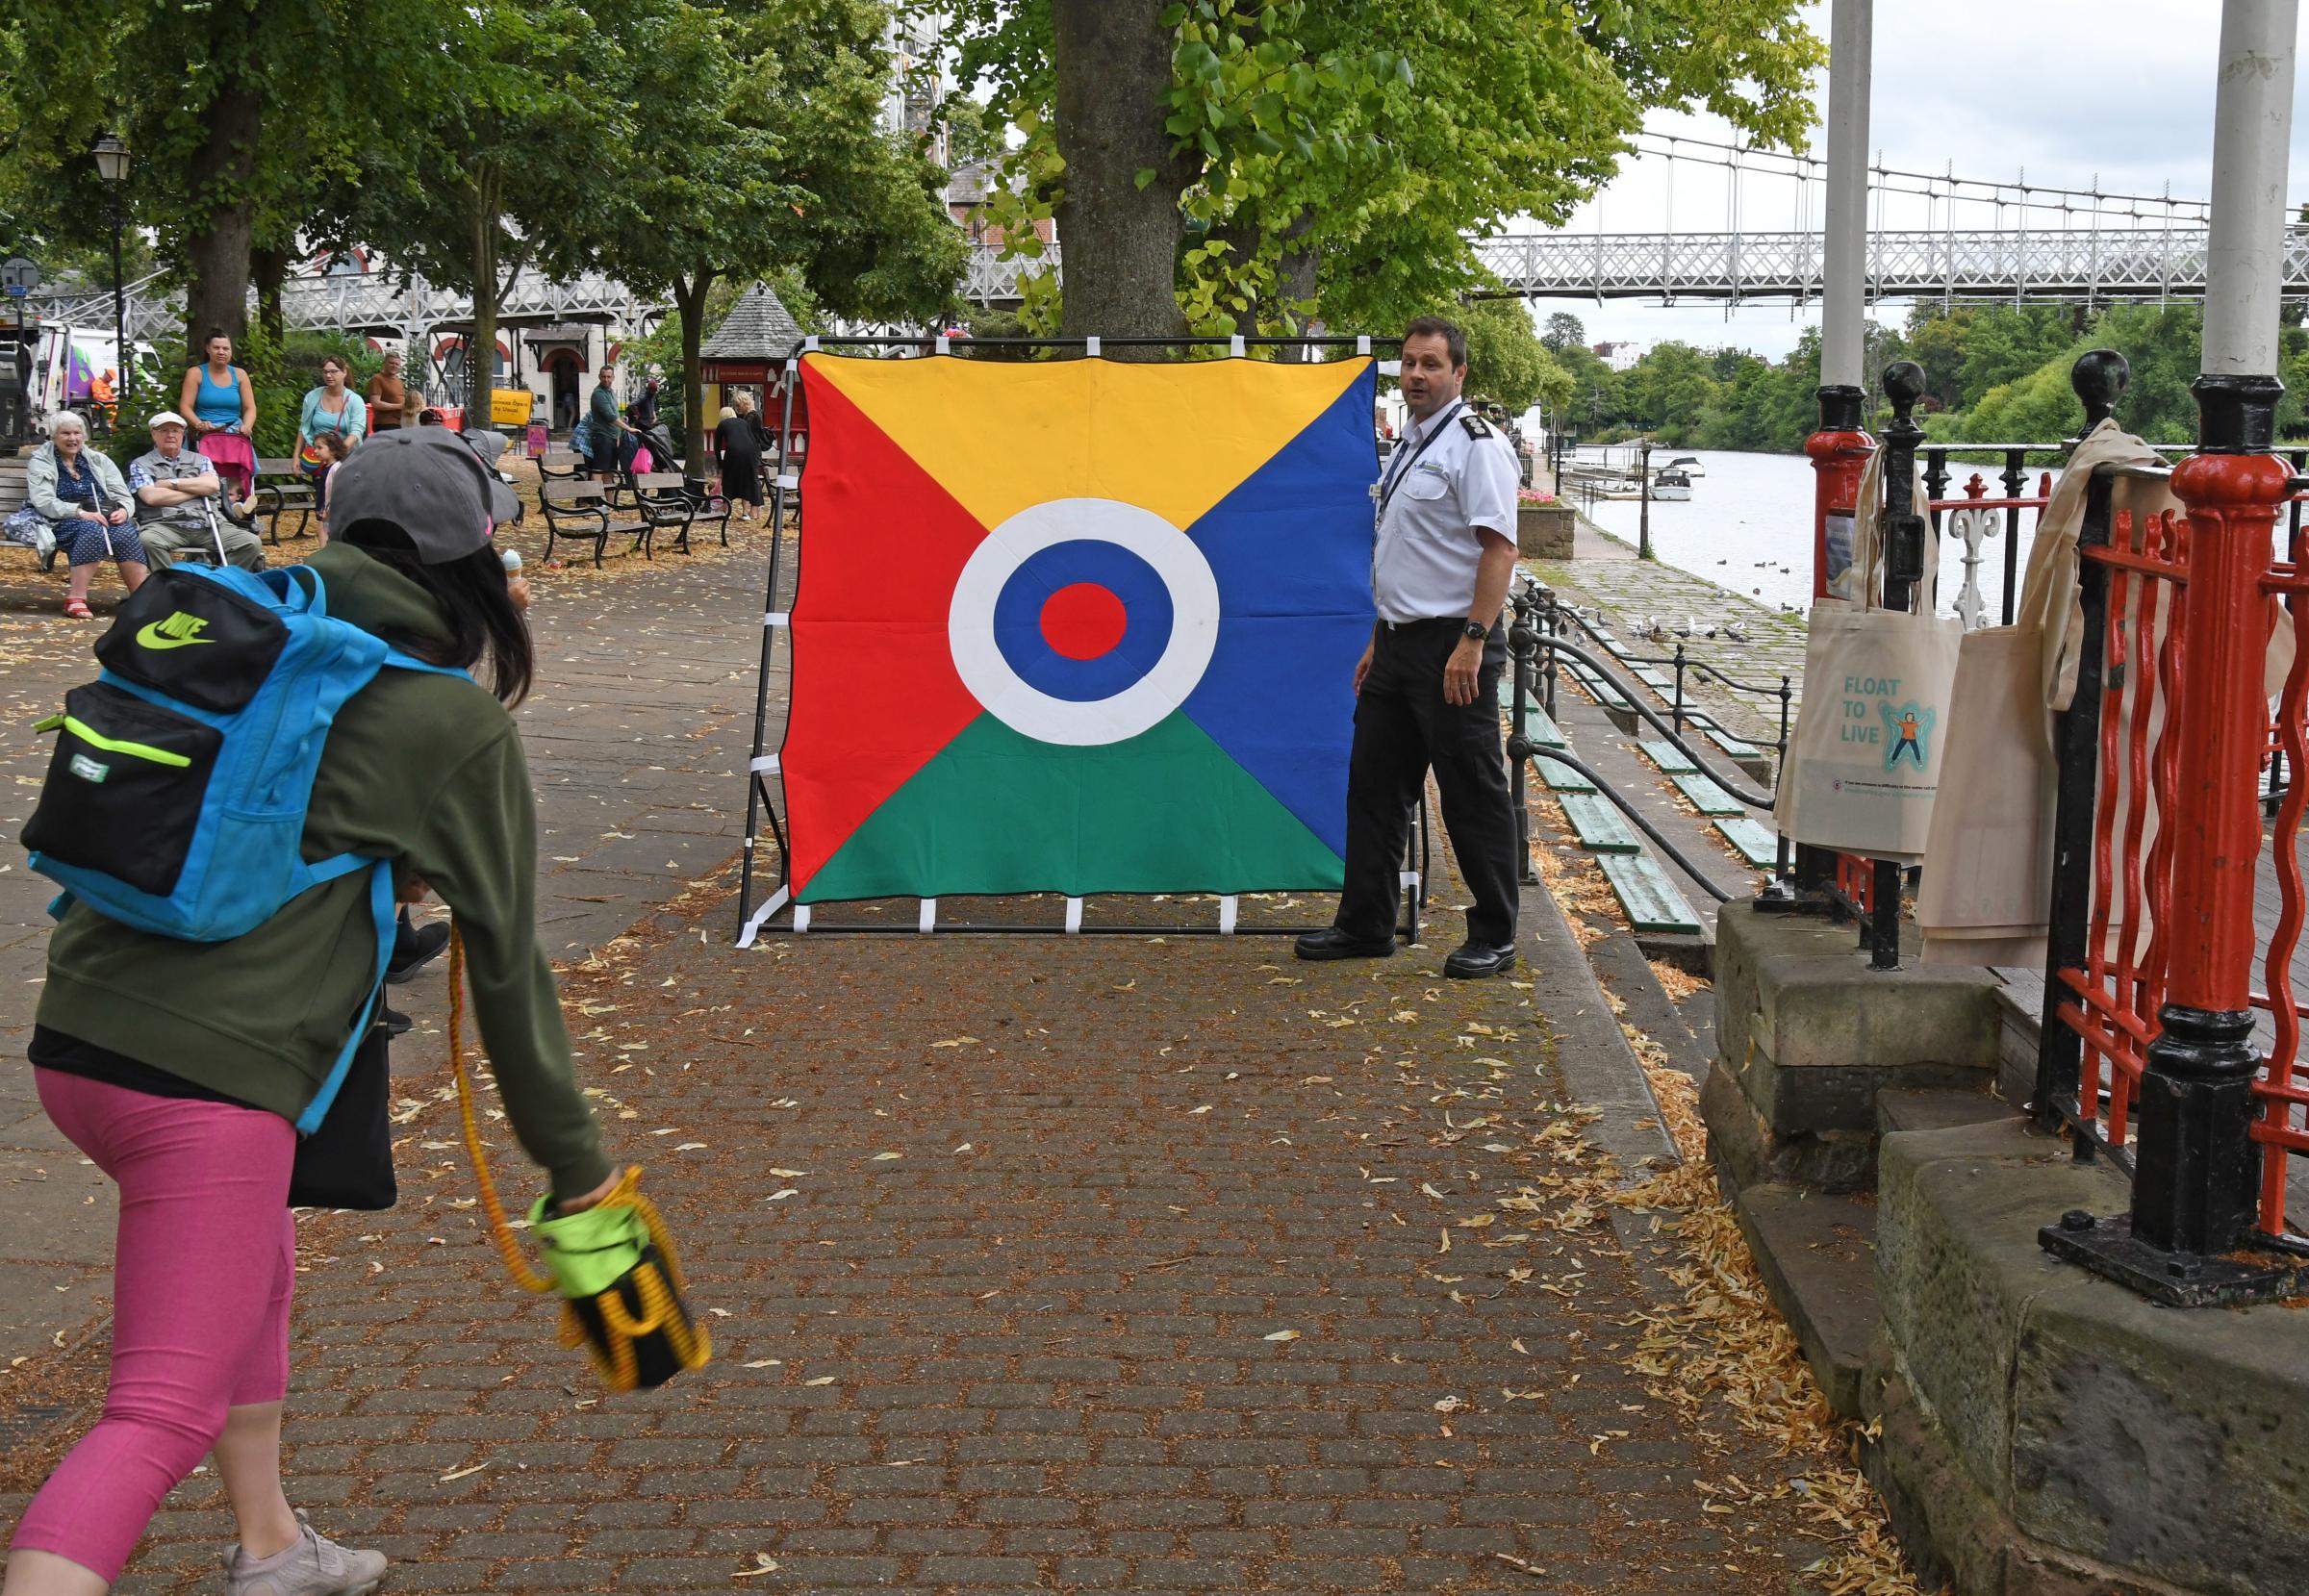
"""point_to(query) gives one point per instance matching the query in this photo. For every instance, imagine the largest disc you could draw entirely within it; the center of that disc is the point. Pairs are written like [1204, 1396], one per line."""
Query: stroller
[650, 435]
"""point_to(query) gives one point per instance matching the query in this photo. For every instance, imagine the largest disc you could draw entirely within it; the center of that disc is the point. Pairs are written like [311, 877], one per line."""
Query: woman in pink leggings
[201, 1278]
[180, 1068]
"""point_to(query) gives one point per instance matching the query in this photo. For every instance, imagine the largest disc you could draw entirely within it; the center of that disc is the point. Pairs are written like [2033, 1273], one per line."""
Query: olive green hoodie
[423, 770]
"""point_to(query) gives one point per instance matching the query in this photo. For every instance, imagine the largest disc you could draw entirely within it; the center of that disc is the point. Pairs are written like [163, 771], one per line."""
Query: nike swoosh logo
[150, 637]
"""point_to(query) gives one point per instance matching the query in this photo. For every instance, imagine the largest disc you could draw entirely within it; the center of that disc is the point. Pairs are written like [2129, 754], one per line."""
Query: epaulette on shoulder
[1476, 425]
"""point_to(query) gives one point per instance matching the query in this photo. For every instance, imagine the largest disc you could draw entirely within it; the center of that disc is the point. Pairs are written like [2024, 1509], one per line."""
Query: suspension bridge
[1933, 236]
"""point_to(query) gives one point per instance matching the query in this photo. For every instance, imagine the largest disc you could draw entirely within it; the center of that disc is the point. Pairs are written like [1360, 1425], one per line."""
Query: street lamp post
[112, 164]
[1643, 532]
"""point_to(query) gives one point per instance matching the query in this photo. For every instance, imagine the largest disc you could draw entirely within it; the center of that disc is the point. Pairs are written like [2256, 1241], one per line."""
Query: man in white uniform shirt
[1427, 686]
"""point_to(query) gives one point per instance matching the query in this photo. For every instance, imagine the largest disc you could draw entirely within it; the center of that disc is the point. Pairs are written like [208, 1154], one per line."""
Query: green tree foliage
[1327, 160]
[763, 148]
[1993, 374]
[497, 155]
[1564, 331]
[233, 110]
[1506, 363]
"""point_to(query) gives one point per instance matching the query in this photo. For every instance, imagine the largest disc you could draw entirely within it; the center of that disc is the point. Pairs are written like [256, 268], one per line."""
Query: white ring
[1084, 722]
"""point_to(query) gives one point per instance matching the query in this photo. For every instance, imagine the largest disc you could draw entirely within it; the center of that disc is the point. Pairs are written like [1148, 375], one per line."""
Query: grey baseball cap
[428, 482]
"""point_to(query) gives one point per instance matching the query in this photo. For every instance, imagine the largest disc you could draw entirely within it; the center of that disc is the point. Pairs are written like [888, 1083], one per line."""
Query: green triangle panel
[997, 812]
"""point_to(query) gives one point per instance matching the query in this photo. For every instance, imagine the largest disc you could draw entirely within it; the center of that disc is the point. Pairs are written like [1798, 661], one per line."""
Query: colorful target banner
[1076, 626]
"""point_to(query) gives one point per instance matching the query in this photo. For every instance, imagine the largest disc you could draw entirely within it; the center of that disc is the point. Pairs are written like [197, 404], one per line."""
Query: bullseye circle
[1186, 580]
[1084, 621]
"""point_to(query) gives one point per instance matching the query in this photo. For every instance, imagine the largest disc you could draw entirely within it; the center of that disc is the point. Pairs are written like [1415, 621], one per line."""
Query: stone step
[1598, 824]
[1816, 1251]
[1758, 844]
[1562, 778]
[1668, 757]
[1929, 1108]
[1650, 900]
[1707, 796]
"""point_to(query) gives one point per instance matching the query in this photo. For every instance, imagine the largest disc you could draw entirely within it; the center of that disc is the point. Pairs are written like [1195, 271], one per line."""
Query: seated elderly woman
[82, 496]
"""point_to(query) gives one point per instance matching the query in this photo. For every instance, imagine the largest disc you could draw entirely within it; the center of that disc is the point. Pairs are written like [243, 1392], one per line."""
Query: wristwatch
[1475, 629]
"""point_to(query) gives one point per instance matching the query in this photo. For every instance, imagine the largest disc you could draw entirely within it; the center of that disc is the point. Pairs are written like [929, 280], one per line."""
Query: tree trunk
[1119, 241]
[481, 345]
[269, 267]
[1297, 280]
[689, 300]
[217, 247]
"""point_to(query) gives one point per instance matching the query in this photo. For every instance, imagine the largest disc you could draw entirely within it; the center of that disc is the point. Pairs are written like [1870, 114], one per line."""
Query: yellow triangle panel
[1174, 437]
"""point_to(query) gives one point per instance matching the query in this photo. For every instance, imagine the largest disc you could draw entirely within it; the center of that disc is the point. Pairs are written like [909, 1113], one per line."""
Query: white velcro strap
[811, 343]
[792, 365]
[1235, 346]
[1390, 368]
[945, 345]
[929, 922]
[1363, 343]
[1410, 880]
[1090, 347]
[776, 901]
[1074, 916]
[1226, 915]
[801, 917]
[776, 617]
[767, 763]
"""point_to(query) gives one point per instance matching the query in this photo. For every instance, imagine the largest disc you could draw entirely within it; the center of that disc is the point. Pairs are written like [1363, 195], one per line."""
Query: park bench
[581, 511]
[560, 466]
[707, 506]
[281, 487]
[662, 499]
[12, 499]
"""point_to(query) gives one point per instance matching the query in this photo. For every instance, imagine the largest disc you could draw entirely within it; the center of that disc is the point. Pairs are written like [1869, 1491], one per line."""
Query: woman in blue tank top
[222, 403]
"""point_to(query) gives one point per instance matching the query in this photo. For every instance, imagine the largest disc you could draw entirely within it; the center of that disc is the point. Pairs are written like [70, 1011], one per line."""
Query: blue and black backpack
[175, 799]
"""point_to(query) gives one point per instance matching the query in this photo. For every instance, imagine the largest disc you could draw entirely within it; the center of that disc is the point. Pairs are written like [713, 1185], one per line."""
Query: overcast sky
[2069, 89]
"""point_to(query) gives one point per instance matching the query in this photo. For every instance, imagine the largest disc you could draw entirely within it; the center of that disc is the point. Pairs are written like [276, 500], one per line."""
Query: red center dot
[1084, 621]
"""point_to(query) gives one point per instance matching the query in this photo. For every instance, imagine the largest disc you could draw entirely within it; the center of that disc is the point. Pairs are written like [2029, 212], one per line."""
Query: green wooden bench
[1646, 896]
[1597, 823]
[1668, 757]
[1706, 795]
[1758, 844]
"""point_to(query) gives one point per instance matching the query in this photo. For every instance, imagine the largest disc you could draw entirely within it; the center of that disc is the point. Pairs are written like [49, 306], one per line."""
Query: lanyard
[1398, 467]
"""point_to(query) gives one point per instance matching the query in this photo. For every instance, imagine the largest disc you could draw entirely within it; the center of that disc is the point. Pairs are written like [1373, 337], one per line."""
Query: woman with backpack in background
[179, 1067]
[86, 501]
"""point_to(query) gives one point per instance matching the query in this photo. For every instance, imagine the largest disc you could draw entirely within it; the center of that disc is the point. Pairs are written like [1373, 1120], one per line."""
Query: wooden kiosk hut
[749, 351]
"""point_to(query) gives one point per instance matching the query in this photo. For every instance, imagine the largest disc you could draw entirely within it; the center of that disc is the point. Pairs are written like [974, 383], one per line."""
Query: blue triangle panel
[1291, 550]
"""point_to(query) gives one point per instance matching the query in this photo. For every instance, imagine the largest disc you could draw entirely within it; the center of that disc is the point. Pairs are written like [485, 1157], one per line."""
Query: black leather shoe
[394, 1022]
[1332, 943]
[1472, 961]
[413, 952]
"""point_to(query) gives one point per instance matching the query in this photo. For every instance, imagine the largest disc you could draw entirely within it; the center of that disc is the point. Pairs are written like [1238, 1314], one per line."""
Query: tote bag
[1987, 862]
[1865, 761]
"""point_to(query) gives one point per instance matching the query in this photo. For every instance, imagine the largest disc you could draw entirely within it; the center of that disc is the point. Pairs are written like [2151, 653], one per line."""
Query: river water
[1747, 527]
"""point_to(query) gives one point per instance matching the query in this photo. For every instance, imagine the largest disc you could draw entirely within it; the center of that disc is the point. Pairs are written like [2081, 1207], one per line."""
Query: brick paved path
[1034, 1263]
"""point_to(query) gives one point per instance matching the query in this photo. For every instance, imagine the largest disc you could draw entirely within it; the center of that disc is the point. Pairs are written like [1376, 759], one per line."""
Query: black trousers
[1403, 728]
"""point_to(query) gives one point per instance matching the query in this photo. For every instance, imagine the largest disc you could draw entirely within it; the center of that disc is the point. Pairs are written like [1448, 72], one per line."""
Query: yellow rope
[508, 1244]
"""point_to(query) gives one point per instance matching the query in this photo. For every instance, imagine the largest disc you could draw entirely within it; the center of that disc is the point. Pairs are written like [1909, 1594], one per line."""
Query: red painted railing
[2180, 733]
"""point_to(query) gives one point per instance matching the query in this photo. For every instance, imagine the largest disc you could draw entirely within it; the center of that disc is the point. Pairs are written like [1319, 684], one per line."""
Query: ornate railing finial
[2099, 378]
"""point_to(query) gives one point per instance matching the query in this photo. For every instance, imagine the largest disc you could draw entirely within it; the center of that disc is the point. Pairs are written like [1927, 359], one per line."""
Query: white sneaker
[311, 1566]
